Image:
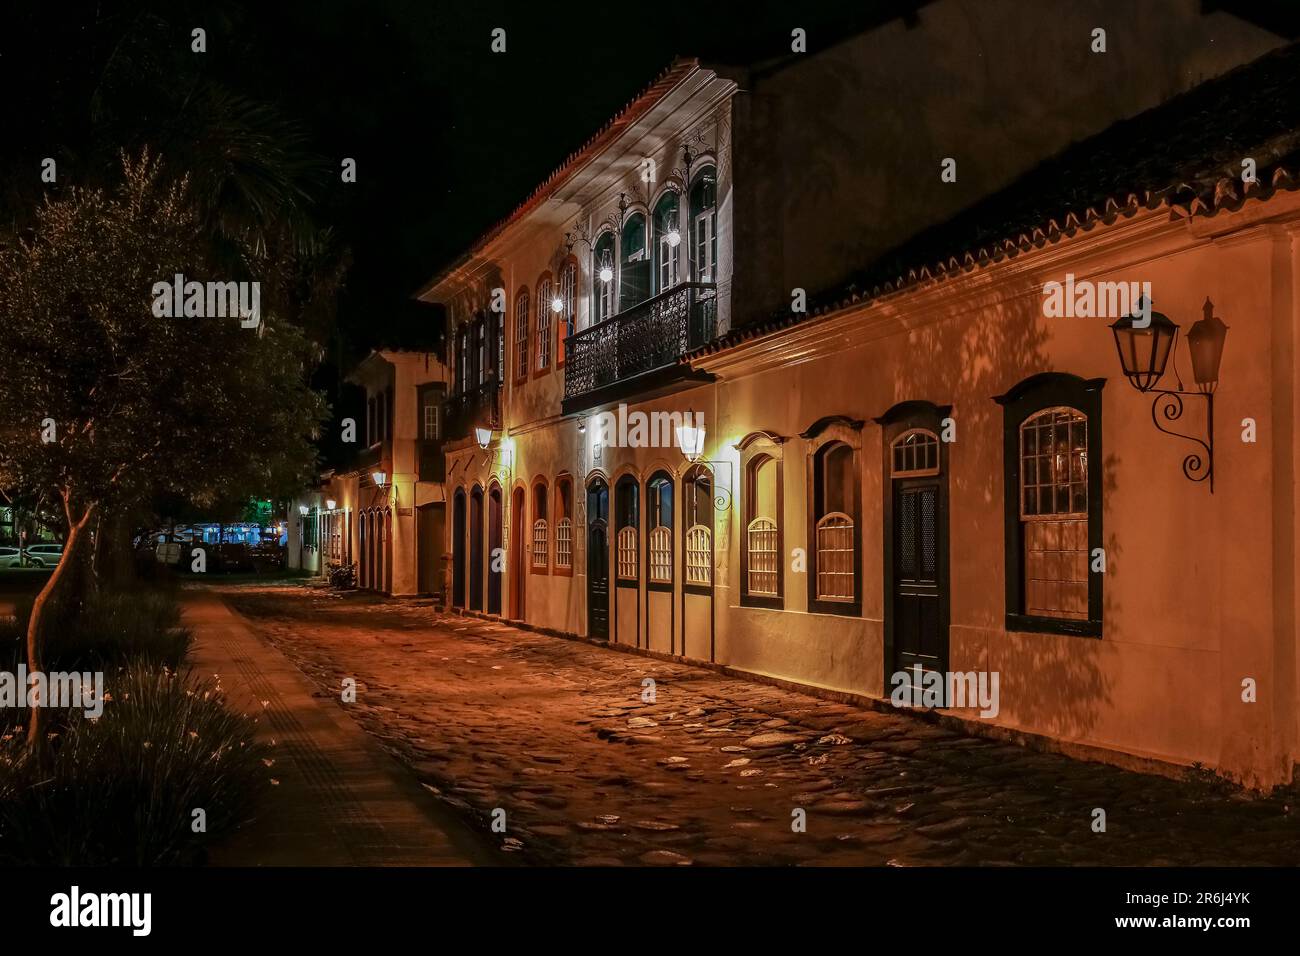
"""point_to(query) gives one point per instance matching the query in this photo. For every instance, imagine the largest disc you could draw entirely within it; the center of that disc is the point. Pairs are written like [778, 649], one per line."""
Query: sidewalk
[340, 800]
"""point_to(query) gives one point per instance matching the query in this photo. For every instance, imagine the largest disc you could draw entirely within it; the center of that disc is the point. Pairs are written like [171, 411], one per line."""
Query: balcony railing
[479, 406]
[649, 336]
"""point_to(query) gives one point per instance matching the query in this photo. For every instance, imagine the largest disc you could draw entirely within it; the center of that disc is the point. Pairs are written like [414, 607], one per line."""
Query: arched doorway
[476, 549]
[517, 569]
[496, 566]
[458, 549]
[598, 559]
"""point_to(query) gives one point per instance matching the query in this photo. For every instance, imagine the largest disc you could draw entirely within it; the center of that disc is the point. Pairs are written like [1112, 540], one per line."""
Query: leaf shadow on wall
[977, 349]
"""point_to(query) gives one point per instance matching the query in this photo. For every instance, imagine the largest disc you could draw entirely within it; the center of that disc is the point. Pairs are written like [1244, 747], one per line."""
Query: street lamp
[483, 435]
[1144, 352]
[302, 510]
[379, 478]
[330, 504]
[690, 438]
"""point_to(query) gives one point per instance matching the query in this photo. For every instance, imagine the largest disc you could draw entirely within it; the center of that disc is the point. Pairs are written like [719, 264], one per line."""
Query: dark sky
[448, 136]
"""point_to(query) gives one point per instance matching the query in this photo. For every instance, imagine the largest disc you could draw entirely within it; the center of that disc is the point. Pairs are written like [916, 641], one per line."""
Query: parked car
[10, 557]
[44, 555]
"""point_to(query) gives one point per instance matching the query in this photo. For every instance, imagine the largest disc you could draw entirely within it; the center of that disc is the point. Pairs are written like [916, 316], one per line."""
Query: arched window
[704, 238]
[1052, 439]
[563, 525]
[626, 500]
[602, 276]
[634, 268]
[659, 519]
[835, 531]
[668, 240]
[915, 454]
[541, 539]
[545, 308]
[521, 335]
[697, 488]
[762, 513]
[569, 311]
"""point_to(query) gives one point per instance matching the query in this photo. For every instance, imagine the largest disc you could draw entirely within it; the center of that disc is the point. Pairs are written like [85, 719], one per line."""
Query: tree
[103, 401]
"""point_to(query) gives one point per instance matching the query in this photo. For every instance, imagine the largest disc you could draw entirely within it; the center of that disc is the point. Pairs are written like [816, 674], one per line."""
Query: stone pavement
[338, 799]
[555, 733]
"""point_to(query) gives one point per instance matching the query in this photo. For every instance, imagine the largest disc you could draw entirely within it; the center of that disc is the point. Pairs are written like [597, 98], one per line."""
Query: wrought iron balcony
[479, 406]
[640, 349]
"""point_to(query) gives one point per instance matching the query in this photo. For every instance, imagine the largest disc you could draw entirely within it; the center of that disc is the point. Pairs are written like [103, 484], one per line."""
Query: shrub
[121, 790]
[109, 628]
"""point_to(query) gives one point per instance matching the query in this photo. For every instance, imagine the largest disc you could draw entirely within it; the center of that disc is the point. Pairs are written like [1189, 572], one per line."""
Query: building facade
[673, 423]
[385, 513]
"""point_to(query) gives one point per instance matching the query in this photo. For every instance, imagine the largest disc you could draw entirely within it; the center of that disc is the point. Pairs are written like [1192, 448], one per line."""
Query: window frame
[604, 295]
[754, 449]
[848, 436]
[523, 335]
[652, 513]
[623, 486]
[563, 513]
[1037, 394]
[689, 486]
[567, 285]
[540, 496]
[542, 336]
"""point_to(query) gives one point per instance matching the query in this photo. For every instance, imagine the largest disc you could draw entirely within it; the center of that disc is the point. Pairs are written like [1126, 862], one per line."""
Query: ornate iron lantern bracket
[1168, 405]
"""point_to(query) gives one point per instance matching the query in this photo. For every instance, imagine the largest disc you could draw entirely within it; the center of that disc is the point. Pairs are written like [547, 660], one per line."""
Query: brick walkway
[556, 734]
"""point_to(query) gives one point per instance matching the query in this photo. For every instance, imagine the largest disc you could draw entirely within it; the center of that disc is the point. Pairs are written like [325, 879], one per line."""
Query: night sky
[448, 136]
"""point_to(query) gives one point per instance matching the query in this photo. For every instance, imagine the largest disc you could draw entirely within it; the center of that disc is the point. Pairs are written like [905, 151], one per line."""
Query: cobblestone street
[555, 732]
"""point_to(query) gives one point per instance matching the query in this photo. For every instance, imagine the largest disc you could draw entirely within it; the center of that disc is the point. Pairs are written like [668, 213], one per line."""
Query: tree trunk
[51, 598]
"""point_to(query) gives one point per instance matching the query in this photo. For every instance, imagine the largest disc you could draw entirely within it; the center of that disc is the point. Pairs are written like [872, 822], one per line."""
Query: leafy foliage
[140, 402]
[121, 789]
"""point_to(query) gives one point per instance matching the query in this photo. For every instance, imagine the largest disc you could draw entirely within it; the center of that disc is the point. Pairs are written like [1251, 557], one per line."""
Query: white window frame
[627, 554]
[831, 532]
[699, 556]
[543, 350]
[564, 544]
[540, 544]
[764, 557]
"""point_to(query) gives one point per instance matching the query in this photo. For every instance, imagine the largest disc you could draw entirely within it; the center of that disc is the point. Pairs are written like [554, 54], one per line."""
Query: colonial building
[844, 370]
[385, 513]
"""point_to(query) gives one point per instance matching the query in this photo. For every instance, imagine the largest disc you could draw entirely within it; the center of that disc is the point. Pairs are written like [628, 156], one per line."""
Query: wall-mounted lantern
[1144, 351]
[302, 510]
[483, 435]
[379, 478]
[330, 504]
[690, 438]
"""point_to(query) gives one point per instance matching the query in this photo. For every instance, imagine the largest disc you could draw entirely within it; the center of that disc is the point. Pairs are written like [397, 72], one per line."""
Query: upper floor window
[602, 276]
[521, 334]
[835, 528]
[634, 268]
[704, 212]
[481, 350]
[668, 240]
[1052, 437]
[462, 358]
[543, 333]
[430, 410]
[500, 326]
[569, 307]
